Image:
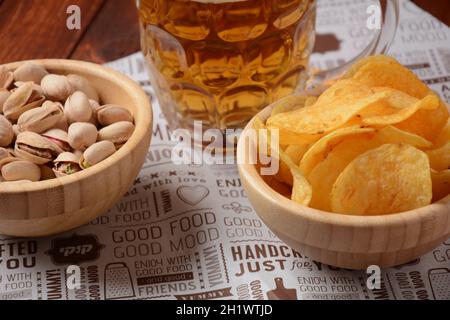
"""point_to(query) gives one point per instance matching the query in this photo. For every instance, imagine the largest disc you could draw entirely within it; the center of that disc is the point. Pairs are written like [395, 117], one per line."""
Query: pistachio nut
[30, 71]
[22, 99]
[63, 124]
[35, 148]
[16, 130]
[80, 83]
[41, 119]
[4, 94]
[118, 133]
[6, 78]
[94, 104]
[77, 108]
[6, 132]
[36, 87]
[56, 87]
[99, 151]
[4, 153]
[58, 137]
[18, 170]
[81, 135]
[111, 113]
[66, 163]
[46, 172]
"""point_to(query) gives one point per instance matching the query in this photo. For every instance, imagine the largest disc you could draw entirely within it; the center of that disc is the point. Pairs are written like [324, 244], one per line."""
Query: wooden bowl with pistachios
[73, 137]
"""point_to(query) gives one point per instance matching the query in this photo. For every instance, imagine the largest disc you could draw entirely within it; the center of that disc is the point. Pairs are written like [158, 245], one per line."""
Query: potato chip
[397, 102]
[444, 136]
[289, 103]
[301, 189]
[386, 72]
[441, 184]
[440, 158]
[426, 123]
[324, 174]
[295, 153]
[392, 178]
[288, 137]
[321, 148]
[362, 62]
[334, 108]
[392, 134]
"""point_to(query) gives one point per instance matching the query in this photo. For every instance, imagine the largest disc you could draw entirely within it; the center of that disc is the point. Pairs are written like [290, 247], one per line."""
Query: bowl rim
[138, 97]
[250, 174]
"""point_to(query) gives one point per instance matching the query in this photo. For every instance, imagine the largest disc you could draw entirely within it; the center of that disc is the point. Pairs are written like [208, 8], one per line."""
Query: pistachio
[4, 94]
[66, 163]
[81, 135]
[41, 119]
[111, 113]
[36, 87]
[80, 83]
[99, 151]
[35, 148]
[22, 99]
[6, 78]
[30, 71]
[6, 132]
[4, 153]
[56, 87]
[63, 124]
[58, 137]
[21, 170]
[94, 104]
[46, 172]
[77, 108]
[118, 133]
[16, 130]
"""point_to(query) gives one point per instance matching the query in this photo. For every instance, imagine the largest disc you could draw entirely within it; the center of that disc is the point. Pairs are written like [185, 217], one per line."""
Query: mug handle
[390, 11]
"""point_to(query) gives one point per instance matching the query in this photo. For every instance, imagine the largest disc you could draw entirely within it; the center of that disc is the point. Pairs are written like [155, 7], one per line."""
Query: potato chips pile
[376, 142]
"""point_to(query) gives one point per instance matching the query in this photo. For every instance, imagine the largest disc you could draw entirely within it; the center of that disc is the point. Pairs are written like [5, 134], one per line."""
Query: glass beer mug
[222, 61]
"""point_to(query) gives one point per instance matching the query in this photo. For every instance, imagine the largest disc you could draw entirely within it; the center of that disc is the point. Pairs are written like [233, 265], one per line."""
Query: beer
[221, 61]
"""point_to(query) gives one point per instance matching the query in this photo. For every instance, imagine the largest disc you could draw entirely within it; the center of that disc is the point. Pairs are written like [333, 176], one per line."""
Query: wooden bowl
[353, 242]
[52, 206]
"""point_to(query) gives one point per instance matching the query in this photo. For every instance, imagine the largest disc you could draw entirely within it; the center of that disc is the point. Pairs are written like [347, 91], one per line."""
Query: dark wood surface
[37, 28]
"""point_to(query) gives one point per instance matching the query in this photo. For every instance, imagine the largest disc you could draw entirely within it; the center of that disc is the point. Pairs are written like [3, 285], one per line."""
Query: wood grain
[34, 29]
[112, 35]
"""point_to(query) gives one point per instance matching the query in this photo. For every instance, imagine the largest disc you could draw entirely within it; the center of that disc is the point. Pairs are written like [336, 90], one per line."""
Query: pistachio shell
[16, 130]
[58, 137]
[21, 170]
[56, 87]
[36, 87]
[6, 132]
[4, 153]
[63, 124]
[35, 148]
[46, 172]
[22, 99]
[66, 163]
[4, 95]
[80, 83]
[118, 133]
[77, 108]
[30, 71]
[6, 78]
[99, 151]
[110, 113]
[41, 119]
[81, 135]
[94, 104]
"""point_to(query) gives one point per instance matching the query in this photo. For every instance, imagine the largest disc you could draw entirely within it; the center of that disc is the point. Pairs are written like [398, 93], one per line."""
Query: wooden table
[37, 29]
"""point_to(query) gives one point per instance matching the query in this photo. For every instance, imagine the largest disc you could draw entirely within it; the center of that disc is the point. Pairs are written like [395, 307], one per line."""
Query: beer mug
[222, 61]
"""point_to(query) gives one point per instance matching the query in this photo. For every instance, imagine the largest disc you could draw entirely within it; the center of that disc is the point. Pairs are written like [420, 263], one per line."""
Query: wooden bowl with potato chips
[364, 168]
